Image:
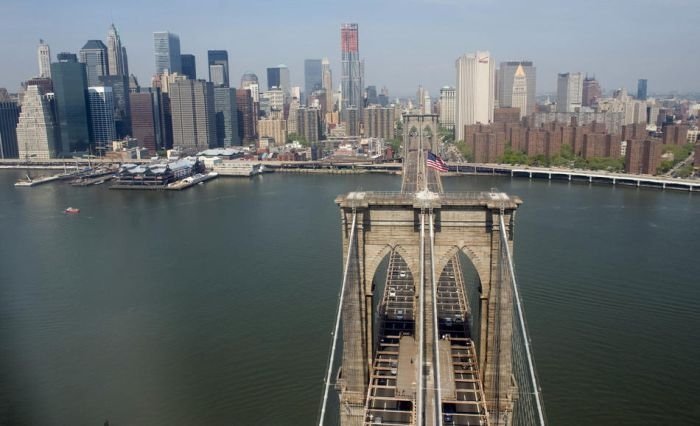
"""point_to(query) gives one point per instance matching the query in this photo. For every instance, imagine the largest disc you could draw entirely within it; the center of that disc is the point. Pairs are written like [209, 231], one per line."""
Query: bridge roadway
[591, 176]
[424, 321]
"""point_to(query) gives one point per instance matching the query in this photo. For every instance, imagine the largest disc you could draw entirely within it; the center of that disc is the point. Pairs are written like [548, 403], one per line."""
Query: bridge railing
[528, 405]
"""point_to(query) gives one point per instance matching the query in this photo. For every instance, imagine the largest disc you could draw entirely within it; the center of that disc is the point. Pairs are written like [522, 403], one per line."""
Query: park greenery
[293, 137]
[678, 154]
[565, 158]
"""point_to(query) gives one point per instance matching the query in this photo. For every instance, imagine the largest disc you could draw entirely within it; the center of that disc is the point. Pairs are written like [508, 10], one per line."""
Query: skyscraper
[70, 91]
[125, 62]
[372, 95]
[67, 57]
[94, 56]
[275, 98]
[352, 121]
[188, 65]
[313, 76]
[101, 103]
[247, 79]
[45, 85]
[569, 92]
[9, 116]
[36, 136]
[420, 96]
[327, 82]
[474, 96]
[447, 107]
[218, 57]
[308, 123]
[44, 57]
[590, 92]
[146, 122]
[226, 117]
[116, 53]
[279, 77]
[166, 47]
[292, 117]
[642, 89]
[217, 75]
[275, 129]
[246, 116]
[351, 84]
[379, 122]
[194, 117]
[122, 105]
[516, 86]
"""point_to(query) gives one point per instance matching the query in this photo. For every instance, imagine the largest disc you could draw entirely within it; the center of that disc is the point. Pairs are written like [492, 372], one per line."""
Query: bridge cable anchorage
[536, 391]
[327, 379]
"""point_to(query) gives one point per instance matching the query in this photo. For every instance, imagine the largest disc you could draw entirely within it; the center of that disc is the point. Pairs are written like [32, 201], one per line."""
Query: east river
[215, 305]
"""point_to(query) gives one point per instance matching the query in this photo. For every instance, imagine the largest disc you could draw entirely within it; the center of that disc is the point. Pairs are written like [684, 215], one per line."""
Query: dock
[188, 182]
[179, 185]
[91, 181]
[38, 181]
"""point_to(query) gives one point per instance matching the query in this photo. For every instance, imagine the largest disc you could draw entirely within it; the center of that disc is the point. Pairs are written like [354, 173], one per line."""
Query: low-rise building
[158, 174]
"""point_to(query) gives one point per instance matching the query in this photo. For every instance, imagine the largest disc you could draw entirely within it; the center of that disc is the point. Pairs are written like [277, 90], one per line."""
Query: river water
[214, 305]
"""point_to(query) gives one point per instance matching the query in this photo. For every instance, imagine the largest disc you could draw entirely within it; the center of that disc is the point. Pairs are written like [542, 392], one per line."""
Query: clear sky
[404, 42]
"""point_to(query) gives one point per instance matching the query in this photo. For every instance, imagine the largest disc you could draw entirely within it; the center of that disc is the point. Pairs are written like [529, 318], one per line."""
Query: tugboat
[71, 210]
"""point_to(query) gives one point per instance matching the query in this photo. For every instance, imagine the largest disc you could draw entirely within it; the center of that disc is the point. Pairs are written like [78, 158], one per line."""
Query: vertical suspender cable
[351, 249]
[521, 318]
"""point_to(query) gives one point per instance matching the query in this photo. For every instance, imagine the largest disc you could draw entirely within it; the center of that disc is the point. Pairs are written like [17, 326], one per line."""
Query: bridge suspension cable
[327, 379]
[529, 409]
[436, 334]
[420, 329]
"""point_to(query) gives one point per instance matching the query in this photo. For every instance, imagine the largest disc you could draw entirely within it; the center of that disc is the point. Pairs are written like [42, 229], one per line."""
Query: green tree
[293, 137]
[466, 151]
[664, 167]
[446, 135]
[685, 171]
[395, 145]
[680, 152]
[567, 152]
[605, 163]
[513, 157]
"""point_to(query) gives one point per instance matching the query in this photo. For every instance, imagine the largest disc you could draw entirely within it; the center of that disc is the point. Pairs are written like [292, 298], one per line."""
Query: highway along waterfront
[215, 305]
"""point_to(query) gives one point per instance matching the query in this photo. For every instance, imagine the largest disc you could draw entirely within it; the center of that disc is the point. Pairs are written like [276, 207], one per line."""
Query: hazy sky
[404, 42]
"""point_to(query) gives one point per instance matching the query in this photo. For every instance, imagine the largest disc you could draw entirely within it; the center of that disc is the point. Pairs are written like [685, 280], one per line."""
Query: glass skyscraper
[218, 57]
[94, 56]
[351, 82]
[313, 76]
[9, 116]
[642, 89]
[226, 117]
[166, 47]
[101, 102]
[189, 66]
[278, 77]
[70, 92]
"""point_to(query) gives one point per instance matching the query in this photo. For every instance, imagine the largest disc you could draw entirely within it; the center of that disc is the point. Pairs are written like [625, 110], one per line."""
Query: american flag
[435, 162]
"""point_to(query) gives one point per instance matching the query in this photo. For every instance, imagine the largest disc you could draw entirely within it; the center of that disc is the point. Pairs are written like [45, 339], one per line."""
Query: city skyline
[553, 43]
